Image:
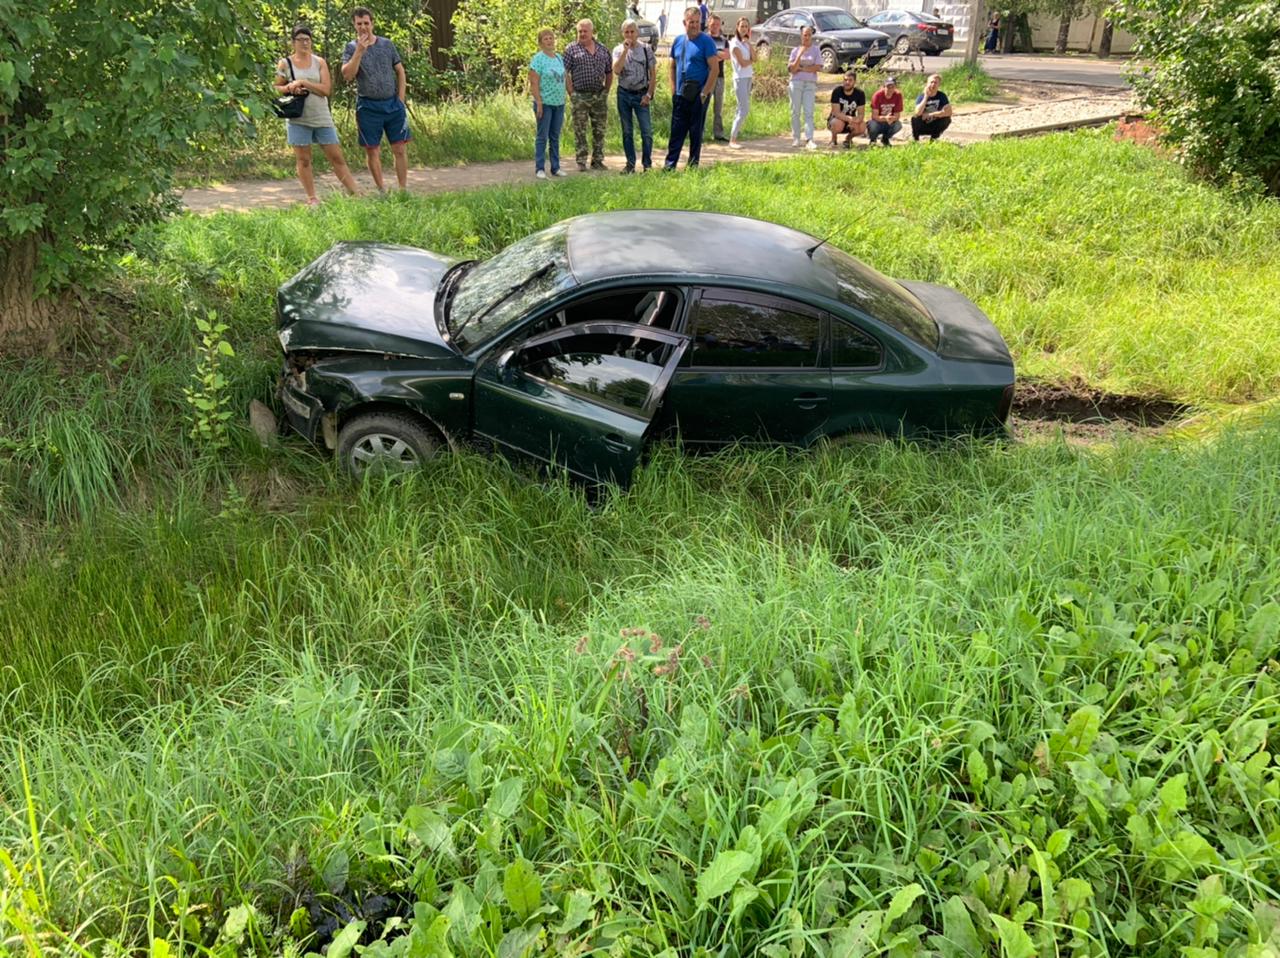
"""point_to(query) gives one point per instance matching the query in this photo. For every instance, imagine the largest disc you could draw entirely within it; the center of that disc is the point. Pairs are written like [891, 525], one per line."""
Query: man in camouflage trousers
[588, 76]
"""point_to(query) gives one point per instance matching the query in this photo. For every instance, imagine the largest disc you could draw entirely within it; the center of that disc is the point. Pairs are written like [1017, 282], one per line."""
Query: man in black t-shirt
[848, 110]
[933, 111]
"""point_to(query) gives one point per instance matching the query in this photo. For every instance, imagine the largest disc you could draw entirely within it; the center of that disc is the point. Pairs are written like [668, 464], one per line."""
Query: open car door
[581, 397]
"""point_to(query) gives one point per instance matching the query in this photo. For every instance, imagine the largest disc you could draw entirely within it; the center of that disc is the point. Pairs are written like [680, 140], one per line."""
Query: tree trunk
[1104, 43]
[1064, 33]
[26, 323]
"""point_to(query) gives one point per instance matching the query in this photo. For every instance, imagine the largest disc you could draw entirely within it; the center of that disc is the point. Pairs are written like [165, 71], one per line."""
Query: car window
[851, 348]
[836, 21]
[498, 292]
[878, 18]
[734, 332]
[861, 287]
[617, 371]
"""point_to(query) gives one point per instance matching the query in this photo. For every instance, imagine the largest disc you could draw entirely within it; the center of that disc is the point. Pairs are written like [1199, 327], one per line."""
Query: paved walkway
[973, 123]
[1038, 68]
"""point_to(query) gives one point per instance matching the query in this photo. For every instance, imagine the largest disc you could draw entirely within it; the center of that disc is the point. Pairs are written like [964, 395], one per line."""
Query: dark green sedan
[577, 344]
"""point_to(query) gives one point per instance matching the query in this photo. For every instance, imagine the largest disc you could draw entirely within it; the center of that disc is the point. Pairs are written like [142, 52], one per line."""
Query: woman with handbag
[303, 74]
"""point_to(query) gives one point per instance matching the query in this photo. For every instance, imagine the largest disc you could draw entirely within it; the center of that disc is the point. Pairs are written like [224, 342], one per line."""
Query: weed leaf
[345, 940]
[522, 887]
[903, 900]
[1014, 940]
[506, 797]
[722, 874]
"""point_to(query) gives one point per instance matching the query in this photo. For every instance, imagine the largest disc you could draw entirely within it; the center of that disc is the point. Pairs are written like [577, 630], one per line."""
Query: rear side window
[745, 332]
[867, 291]
[851, 348]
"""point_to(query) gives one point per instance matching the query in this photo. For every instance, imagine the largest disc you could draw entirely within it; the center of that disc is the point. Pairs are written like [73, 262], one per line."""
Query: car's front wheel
[903, 46]
[384, 443]
[830, 63]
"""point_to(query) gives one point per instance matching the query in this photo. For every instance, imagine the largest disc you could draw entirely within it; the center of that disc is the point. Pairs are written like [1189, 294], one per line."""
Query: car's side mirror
[504, 366]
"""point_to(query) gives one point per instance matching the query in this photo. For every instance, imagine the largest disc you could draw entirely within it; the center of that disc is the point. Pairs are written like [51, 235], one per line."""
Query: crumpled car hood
[365, 297]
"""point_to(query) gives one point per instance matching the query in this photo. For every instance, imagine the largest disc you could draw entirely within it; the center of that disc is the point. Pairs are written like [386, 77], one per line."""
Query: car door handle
[809, 400]
[615, 443]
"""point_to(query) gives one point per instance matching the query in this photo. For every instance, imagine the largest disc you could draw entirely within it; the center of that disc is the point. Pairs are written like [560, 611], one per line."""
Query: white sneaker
[811, 145]
[735, 146]
[541, 174]
[559, 173]
[796, 142]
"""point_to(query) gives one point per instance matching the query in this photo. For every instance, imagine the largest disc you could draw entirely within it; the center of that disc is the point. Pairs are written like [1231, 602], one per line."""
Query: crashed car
[577, 345]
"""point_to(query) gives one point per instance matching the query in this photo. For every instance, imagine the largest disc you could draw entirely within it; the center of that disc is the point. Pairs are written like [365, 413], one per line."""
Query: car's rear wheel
[903, 46]
[384, 443]
[830, 63]
[762, 50]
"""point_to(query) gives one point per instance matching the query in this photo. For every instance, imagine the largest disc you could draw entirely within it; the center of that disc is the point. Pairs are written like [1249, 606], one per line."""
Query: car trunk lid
[964, 332]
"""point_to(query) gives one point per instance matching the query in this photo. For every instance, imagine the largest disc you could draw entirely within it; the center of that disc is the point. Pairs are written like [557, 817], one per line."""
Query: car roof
[627, 243]
[815, 10]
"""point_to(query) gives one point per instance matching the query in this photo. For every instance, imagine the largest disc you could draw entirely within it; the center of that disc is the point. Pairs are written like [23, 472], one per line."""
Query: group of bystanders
[582, 77]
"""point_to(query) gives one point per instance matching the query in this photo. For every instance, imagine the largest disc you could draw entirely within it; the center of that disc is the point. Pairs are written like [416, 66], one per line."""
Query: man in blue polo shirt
[694, 57]
[374, 63]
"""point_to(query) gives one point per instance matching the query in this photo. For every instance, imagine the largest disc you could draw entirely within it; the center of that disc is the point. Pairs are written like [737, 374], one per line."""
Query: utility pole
[976, 25]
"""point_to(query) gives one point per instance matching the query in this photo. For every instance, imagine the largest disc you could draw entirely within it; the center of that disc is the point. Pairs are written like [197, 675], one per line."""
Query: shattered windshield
[499, 291]
[879, 297]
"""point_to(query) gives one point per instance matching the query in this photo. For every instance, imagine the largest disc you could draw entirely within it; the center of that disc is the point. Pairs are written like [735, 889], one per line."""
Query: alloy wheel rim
[383, 451]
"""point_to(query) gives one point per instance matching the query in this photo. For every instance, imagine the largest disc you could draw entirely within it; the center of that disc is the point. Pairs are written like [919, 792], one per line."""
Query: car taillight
[927, 27]
[1006, 404]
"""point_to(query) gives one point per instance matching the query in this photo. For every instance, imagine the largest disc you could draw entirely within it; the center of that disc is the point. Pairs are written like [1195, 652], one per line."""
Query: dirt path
[971, 124]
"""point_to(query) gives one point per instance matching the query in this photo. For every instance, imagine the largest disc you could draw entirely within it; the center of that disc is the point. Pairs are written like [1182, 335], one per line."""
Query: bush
[495, 39]
[1212, 81]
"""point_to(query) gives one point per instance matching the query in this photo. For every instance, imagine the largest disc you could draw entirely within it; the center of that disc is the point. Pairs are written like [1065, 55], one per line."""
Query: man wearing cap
[848, 105]
[886, 112]
[374, 63]
[588, 74]
[933, 111]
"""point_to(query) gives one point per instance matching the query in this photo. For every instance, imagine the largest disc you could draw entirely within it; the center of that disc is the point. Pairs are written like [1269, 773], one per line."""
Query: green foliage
[99, 100]
[208, 396]
[1211, 75]
[495, 39]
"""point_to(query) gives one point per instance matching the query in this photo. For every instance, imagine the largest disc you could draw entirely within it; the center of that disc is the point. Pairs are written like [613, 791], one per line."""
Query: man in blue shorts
[374, 63]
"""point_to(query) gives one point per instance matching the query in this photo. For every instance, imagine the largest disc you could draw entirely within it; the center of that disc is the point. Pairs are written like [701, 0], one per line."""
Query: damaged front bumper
[305, 413]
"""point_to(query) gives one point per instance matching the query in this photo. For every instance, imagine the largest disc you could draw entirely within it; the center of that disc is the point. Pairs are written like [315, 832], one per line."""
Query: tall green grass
[956, 700]
[1023, 690]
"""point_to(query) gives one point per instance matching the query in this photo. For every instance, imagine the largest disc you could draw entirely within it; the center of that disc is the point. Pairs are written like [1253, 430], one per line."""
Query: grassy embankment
[975, 697]
[501, 127]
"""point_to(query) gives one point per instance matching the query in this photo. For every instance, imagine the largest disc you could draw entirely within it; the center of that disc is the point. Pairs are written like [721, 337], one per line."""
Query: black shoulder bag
[290, 106]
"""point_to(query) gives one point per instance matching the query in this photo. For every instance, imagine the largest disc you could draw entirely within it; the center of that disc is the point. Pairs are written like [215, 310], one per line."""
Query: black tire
[830, 62]
[384, 442]
[903, 46]
[762, 50]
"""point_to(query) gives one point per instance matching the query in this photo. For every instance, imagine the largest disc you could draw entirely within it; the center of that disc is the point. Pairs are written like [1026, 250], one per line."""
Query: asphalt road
[1082, 70]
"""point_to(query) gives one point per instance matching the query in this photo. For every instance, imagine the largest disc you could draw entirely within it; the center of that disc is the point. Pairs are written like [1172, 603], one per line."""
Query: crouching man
[848, 106]
[933, 111]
